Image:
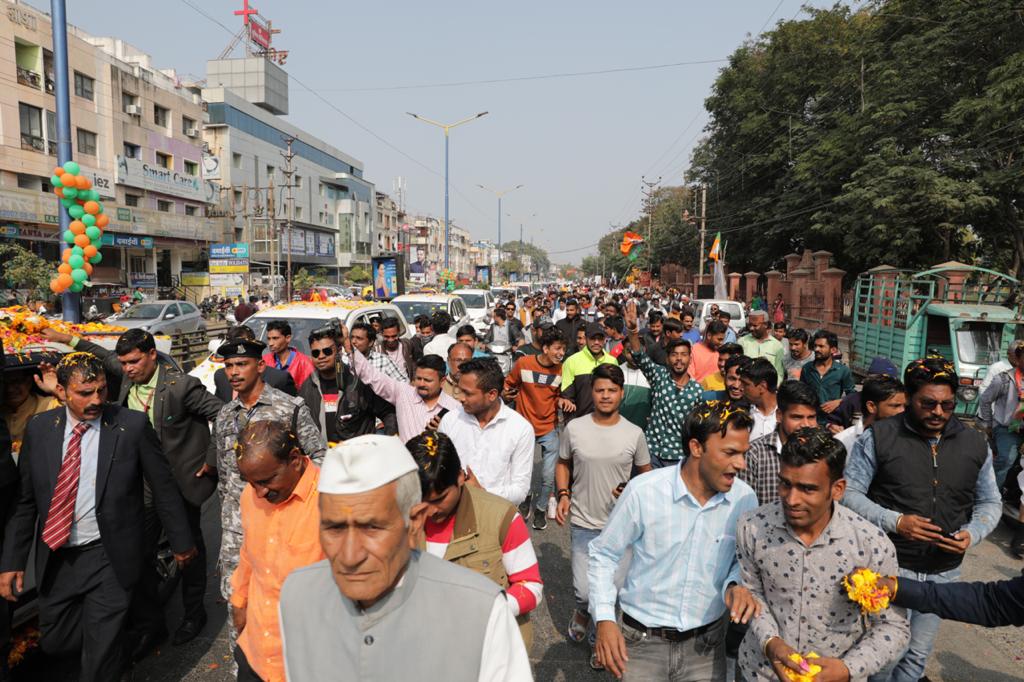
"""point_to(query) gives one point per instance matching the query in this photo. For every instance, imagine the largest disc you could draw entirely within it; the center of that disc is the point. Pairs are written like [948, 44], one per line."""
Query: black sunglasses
[326, 352]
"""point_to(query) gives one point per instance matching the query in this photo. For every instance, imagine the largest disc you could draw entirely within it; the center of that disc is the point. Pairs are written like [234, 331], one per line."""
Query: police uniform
[272, 405]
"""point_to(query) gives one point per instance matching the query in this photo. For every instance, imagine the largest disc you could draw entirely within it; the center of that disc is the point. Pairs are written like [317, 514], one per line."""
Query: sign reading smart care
[139, 173]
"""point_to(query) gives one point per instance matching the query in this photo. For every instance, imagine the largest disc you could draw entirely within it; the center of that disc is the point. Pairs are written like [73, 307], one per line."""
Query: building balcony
[29, 78]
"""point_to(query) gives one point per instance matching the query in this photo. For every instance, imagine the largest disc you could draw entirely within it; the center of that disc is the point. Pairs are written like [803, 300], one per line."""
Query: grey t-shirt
[602, 457]
[793, 366]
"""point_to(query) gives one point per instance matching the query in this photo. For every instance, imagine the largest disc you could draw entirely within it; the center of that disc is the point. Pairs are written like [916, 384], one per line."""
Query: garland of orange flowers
[812, 668]
[862, 587]
[21, 644]
[20, 327]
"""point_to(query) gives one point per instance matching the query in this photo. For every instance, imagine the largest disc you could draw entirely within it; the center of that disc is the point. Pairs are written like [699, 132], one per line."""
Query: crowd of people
[718, 484]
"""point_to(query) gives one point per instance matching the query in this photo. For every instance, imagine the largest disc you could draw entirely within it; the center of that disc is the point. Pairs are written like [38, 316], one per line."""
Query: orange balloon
[82, 240]
[91, 207]
[66, 255]
[59, 191]
[83, 182]
[64, 280]
[55, 286]
[64, 268]
[77, 226]
[58, 171]
[89, 251]
[87, 267]
[102, 220]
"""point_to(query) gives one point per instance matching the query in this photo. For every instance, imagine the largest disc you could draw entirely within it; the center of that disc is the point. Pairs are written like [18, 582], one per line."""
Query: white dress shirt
[500, 454]
[439, 345]
[763, 423]
[84, 526]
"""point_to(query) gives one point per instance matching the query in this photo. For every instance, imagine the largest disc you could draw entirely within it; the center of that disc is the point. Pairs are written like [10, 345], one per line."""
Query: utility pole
[648, 191]
[703, 226]
[288, 172]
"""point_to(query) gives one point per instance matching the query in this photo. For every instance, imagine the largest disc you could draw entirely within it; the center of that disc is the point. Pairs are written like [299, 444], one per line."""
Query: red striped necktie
[62, 504]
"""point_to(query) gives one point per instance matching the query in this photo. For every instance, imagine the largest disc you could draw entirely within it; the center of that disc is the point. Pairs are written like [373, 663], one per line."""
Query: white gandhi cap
[363, 464]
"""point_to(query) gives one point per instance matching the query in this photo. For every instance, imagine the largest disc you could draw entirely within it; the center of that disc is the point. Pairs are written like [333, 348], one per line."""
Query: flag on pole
[631, 242]
[716, 248]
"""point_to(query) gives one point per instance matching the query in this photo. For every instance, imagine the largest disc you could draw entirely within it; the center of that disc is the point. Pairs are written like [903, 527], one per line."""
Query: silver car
[161, 317]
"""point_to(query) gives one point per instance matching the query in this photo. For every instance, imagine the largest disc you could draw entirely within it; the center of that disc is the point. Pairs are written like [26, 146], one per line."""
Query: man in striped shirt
[475, 529]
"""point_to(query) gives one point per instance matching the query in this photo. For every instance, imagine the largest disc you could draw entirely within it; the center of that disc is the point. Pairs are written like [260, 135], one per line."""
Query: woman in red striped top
[473, 528]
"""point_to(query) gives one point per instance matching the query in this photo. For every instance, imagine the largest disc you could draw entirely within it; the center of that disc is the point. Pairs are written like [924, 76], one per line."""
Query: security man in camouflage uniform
[254, 401]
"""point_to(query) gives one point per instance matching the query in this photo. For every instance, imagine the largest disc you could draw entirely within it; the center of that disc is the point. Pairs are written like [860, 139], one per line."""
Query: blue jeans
[1007, 445]
[549, 455]
[923, 629]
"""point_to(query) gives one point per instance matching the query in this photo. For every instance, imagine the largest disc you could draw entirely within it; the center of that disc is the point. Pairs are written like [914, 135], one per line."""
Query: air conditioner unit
[191, 132]
[133, 109]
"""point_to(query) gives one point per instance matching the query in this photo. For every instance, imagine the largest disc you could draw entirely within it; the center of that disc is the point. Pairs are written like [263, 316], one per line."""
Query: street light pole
[446, 127]
[499, 194]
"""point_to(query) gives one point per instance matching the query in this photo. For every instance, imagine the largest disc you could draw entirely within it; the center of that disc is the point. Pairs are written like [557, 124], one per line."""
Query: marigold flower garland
[812, 668]
[862, 587]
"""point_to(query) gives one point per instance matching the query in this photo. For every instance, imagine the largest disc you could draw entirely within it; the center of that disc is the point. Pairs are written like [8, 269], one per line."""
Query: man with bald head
[458, 353]
[759, 343]
[363, 612]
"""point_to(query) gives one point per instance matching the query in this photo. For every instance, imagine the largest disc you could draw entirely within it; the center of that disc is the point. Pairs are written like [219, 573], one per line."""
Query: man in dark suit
[272, 376]
[82, 469]
[180, 410]
[8, 492]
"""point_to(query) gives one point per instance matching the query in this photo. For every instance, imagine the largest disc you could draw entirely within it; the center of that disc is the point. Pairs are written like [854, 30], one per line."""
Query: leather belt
[668, 634]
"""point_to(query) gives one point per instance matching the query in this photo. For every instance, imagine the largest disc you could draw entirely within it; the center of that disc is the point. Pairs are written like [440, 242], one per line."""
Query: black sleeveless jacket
[912, 477]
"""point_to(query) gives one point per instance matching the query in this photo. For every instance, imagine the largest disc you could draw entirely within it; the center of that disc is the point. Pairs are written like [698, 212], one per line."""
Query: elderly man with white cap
[376, 609]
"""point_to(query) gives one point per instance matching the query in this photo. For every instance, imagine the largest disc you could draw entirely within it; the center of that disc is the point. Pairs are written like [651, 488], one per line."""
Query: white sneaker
[552, 508]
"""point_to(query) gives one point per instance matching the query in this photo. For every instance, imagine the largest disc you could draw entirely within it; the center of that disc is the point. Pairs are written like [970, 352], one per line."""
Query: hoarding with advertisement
[483, 274]
[138, 173]
[229, 258]
[385, 270]
[195, 279]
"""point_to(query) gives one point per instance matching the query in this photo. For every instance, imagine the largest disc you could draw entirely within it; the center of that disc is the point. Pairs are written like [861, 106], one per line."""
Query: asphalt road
[963, 652]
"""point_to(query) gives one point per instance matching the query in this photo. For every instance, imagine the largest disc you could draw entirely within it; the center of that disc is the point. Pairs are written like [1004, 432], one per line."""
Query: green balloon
[76, 286]
[79, 275]
[75, 211]
[93, 233]
[68, 203]
[101, 208]
[97, 258]
[76, 262]
[71, 167]
[69, 236]
[70, 193]
[89, 220]
[77, 250]
[55, 181]
[94, 195]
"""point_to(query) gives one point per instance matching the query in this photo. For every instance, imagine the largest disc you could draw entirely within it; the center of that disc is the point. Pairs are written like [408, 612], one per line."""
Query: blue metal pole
[71, 302]
[499, 233]
[445, 198]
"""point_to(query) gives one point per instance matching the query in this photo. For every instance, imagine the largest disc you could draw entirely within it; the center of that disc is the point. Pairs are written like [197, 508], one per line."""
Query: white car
[737, 313]
[479, 303]
[414, 305]
[303, 317]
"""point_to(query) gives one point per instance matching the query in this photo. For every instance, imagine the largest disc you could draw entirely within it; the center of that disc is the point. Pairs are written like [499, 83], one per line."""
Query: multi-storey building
[136, 134]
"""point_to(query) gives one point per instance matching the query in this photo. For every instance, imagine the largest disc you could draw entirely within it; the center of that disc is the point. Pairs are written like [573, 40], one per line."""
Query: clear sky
[579, 145]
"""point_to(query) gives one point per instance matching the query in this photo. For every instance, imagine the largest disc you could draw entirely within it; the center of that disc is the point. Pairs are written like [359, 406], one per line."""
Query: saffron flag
[716, 248]
[630, 246]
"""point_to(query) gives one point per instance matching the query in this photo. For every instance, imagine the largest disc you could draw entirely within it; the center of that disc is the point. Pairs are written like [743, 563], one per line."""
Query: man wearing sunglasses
[342, 405]
[928, 481]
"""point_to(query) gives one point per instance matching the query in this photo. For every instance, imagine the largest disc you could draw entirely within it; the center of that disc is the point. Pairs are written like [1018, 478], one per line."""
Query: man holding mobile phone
[928, 481]
[596, 456]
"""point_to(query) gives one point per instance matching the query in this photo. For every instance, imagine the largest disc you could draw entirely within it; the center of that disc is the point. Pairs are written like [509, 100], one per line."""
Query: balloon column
[85, 233]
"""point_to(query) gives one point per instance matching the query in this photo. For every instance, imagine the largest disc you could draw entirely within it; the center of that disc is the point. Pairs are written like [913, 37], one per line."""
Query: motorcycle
[503, 354]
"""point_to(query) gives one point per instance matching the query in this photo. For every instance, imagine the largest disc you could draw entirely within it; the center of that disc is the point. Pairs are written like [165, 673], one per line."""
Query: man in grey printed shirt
[793, 556]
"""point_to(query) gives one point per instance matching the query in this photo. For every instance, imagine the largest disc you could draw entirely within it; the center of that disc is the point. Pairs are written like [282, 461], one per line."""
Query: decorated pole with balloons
[85, 232]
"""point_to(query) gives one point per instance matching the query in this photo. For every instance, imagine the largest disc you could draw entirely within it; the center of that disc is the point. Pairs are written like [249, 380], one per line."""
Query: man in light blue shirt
[680, 523]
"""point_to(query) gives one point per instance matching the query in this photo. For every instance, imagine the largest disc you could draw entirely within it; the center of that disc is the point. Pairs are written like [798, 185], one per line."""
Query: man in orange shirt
[281, 524]
[704, 355]
[535, 384]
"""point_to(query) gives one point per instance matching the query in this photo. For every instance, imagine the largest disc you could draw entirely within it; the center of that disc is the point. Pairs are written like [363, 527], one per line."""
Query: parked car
[412, 305]
[737, 313]
[161, 317]
[479, 303]
[303, 317]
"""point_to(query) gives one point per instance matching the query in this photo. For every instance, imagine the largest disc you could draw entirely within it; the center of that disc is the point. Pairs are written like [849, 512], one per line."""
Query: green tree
[23, 269]
[357, 274]
[304, 279]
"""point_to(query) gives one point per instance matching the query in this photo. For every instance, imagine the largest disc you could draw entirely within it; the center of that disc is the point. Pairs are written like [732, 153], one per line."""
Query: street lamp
[499, 194]
[446, 127]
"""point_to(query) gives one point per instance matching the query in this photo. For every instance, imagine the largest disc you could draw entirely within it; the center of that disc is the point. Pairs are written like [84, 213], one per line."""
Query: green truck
[967, 314]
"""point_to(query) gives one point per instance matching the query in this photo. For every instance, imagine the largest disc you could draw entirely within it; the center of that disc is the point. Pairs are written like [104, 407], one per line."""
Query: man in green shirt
[577, 399]
[759, 343]
[829, 378]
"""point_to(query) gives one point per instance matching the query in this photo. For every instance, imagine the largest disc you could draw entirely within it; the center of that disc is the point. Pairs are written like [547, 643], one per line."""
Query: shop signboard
[229, 258]
[225, 280]
[127, 241]
[146, 280]
[139, 173]
[195, 279]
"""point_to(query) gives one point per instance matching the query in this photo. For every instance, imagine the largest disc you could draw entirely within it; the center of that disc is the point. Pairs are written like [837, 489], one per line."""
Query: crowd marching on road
[379, 497]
